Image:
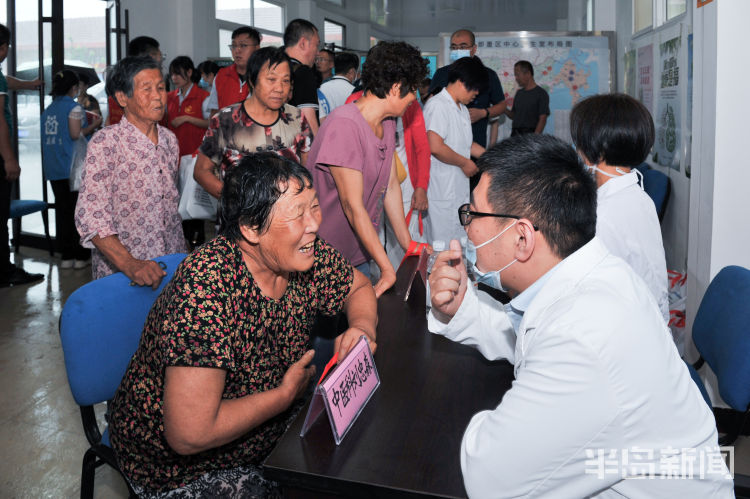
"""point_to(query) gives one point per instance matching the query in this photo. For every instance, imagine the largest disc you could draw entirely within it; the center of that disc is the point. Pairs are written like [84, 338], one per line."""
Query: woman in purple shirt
[352, 160]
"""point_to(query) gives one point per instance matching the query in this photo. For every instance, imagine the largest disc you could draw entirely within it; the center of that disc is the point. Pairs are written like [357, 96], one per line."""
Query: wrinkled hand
[298, 376]
[469, 168]
[144, 273]
[346, 341]
[12, 170]
[419, 199]
[179, 121]
[476, 114]
[448, 282]
[387, 279]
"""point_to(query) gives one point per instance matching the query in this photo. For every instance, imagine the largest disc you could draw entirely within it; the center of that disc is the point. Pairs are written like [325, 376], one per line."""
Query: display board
[568, 65]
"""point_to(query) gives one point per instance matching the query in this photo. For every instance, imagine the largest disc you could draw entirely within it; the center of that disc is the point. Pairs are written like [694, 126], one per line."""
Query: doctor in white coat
[613, 133]
[602, 405]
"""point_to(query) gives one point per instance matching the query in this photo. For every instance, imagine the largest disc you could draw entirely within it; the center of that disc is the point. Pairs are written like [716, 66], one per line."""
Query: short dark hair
[251, 32]
[253, 186]
[208, 67]
[142, 45]
[4, 34]
[62, 82]
[467, 31]
[471, 72]
[181, 65]
[328, 51]
[297, 29]
[541, 178]
[344, 61]
[120, 77]
[271, 55]
[614, 128]
[389, 63]
[525, 66]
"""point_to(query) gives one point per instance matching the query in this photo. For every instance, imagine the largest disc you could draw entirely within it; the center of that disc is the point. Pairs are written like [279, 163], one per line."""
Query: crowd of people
[326, 173]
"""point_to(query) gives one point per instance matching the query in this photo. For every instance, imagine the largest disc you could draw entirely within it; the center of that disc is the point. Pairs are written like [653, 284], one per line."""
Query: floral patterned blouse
[232, 133]
[129, 189]
[213, 314]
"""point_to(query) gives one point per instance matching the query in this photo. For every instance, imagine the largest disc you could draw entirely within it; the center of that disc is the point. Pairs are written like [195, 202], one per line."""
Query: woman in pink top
[352, 163]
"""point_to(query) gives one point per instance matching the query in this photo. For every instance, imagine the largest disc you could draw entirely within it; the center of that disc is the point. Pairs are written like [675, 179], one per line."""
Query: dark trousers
[4, 216]
[521, 131]
[68, 240]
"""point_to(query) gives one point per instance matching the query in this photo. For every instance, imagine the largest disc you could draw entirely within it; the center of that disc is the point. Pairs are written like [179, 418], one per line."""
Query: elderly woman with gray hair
[127, 205]
[224, 352]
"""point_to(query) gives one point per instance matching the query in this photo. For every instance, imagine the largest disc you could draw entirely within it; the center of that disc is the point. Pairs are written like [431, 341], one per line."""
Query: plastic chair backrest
[100, 327]
[656, 185]
[698, 381]
[721, 333]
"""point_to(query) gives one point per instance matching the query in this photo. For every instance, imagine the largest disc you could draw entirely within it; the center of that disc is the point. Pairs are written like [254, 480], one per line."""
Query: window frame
[343, 33]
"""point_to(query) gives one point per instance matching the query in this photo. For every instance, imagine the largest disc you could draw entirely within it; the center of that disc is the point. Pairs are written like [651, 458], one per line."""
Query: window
[268, 16]
[265, 16]
[675, 8]
[225, 39]
[333, 33]
[643, 14]
[234, 11]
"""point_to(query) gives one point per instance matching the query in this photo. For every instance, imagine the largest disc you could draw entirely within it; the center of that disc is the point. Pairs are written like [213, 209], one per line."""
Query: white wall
[719, 228]
[182, 27]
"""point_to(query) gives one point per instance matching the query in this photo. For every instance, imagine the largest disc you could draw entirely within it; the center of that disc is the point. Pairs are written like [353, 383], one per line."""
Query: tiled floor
[41, 437]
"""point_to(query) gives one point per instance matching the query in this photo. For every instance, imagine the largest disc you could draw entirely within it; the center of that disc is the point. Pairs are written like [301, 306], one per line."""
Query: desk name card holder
[345, 392]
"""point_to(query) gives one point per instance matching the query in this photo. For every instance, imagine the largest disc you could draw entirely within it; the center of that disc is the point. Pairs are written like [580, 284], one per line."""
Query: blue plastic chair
[657, 186]
[100, 328]
[22, 207]
[721, 334]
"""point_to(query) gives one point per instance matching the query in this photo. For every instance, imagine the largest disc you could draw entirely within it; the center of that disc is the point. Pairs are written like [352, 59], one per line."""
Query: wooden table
[407, 440]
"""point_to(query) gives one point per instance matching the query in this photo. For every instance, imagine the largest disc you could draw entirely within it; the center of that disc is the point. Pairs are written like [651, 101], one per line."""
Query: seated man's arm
[534, 443]
[466, 316]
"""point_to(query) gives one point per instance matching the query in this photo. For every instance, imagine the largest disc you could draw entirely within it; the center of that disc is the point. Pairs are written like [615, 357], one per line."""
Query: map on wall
[568, 67]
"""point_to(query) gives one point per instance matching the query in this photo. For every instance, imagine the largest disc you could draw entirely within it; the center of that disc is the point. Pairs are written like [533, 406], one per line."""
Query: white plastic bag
[77, 161]
[195, 202]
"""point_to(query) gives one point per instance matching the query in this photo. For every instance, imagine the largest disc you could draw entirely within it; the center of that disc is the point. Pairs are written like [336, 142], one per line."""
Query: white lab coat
[449, 187]
[627, 224]
[596, 370]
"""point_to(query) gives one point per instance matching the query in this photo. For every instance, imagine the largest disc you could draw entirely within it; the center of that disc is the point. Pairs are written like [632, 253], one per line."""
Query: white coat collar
[615, 185]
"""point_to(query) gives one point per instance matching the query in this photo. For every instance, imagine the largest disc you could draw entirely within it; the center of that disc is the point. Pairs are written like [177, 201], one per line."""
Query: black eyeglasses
[465, 215]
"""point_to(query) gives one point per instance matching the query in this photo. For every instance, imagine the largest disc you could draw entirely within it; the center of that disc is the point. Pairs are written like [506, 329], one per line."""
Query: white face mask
[492, 278]
[458, 54]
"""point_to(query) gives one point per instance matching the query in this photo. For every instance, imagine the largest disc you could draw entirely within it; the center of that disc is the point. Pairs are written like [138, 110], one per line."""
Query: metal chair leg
[87, 474]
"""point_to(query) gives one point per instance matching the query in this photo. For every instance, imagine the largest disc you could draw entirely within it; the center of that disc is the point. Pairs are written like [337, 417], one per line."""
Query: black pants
[4, 216]
[68, 240]
[521, 131]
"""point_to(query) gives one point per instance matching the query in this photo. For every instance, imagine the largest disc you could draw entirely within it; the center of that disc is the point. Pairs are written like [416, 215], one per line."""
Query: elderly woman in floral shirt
[262, 122]
[127, 205]
[223, 354]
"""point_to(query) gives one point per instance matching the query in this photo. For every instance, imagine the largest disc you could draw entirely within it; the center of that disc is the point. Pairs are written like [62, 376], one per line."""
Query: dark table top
[406, 442]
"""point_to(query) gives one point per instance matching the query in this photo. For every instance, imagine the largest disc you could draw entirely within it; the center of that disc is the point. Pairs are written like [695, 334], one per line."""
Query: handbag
[195, 202]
